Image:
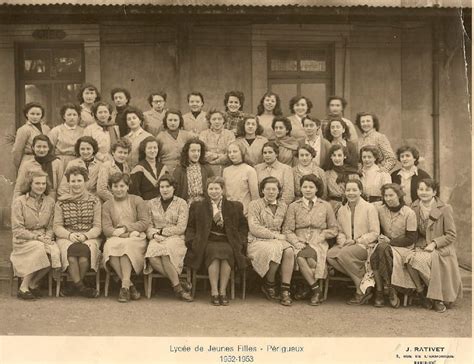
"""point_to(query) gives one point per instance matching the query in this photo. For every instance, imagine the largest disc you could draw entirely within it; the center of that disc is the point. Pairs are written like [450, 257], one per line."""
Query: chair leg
[244, 283]
[107, 281]
[50, 283]
[188, 275]
[149, 286]
[12, 281]
[97, 280]
[58, 283]
[405, 300]
[194, 279]
[326, 288]
[232, 284]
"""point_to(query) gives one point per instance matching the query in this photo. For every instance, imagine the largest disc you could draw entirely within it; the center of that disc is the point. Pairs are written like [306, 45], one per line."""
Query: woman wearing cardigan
[268, 107]
[77, 226]
[34, 251]
[135, 120]
[192, 173]
[300, 107]
[125, 219]
[359, 228]
[409, 175]
[434, 261]
[337, 132]
[287, 144]
[216, 236]
[306, 165]
[249, 136]
[373, 178]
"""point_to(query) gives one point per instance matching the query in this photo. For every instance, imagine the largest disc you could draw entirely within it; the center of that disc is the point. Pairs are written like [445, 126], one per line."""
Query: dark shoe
[124, 295]
[302, 293]
[26, 295]
[379, 300]
[393, 298]
[88, 292]
[134, 294]
[68, 291]
[425, 301]
[187, 286]
[362, 298]
[285, 299]
[223, 300]
[439, 306]
[36, 292]
[269, 292]
[315, 299]
[215, 300]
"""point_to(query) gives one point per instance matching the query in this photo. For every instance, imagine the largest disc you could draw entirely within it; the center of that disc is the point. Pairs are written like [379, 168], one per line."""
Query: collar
[374, 168]
[273, 165]
[343, 142]
[275, 203]
[70, 127]
[306, 201]
[311, 142]
[408, 173]
[135, 134]
[370, 132]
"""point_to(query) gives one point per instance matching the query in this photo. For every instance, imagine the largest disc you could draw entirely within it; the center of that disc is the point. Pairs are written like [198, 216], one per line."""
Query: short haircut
[89, 140]
[308, 148]
[31, 105]
[335, 147]
[242, 149]
[285, 122]
[157, 93]
[212, 112]
[374, 118]
[168, 178]
[116, 90]
[241, 126]
[43, 138]
[272, 145]
[294, 100]
[185, 152]
[75, 170]
[174, 112]
[142, 147]
[276, 111]
[121, 143]
[408, 148]
[316, 181]
[215, 179]
[136, 111]
[327, 133]
[238, 94]
[98, 104]
[340, 98]
[430, 183]
[313, 119]
[357, 181]
[194, 93]
[117, 177]
[88, 86]
[30, 176]
[372, 149]
[68, 106]
[267, 180]
[396, 188]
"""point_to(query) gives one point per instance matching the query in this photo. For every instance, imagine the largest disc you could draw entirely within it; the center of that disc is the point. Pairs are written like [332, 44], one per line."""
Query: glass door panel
[286, 91]
[317, 93]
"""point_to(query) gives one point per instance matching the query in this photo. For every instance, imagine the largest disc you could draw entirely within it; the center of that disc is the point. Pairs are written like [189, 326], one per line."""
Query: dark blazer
[144, 180]
[181, 179]
[396, 178]
[199, 228]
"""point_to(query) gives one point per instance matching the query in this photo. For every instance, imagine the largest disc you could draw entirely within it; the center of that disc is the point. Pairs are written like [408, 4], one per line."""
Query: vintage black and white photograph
[236, 169]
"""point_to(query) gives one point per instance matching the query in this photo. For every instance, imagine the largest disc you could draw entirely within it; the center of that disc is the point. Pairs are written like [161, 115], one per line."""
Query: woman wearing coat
[434, 260]
[135, 120]
[216, 236]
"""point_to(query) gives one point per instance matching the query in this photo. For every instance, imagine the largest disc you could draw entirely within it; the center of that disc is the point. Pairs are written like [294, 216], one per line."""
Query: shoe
[215, 300]
[223, 300]
[68, 291]
[361, 298]
[315, 299]
[134, 294]
[302, 293]
[285, 299]
[393, 298]
[26, 295]
[269, 292]
[187, 286]
[439, 306]
[379, 300]
[36, 292]
[124, 295]
[88, 292]
[425, 301]
[185, 296]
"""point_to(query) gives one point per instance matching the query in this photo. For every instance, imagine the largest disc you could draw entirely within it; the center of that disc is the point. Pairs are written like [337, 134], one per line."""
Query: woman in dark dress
[220, 243]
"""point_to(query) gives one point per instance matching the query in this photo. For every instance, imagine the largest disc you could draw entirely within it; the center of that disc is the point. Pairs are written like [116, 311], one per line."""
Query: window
[302, 71]
[49, 75]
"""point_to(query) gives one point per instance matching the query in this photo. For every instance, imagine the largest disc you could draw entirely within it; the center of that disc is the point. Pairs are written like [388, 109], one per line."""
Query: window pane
[36, 62]
[68, 60]
[283, 61]
[37, 93]
[317, 93]
[63, 93]
[313, 61]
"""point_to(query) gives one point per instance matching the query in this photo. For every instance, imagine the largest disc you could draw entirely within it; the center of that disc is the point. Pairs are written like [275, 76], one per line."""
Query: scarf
[288, 142]
[88, 162]
[109, 126]
[165, 203]
[395, 208]
[218, 218]
[71, 196]
[46, 164]
[120, 165]
[37, 126]
[195, 113]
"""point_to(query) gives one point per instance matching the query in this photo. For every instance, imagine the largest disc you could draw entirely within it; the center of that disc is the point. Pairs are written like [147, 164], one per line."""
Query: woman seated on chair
[216, 235]
[359, 228]
[77, 226]
[34, 250]
[399, 234]
[125, 219]
[268, 248]
[166, 250]
[309, 222]
[434, 262]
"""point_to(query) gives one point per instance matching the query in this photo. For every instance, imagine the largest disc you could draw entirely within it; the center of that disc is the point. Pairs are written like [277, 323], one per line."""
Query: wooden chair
[148, 280]
[14, 289]
[196, 275]
[107, 281]
[64, 275]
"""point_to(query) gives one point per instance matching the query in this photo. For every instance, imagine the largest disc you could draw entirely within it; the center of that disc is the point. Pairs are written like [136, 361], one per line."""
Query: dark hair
[123, 90]
[75, 170]
[215, 179]
[238, 94]
[308, 148]
[357, 181]
[372, 149]
[136, 111]
[430, 183]
[272, 145]
[276, 111]
[88, 86]
[330, 165]
[241, 126]
[408, 148]
[327, 132]
[88, 140]
[96, 106]
[122, 143]
[267, 180]
[212, 112]
[68, 106]
[117, 177]
[31, 105]
[194, 93]
[295, 100]
[157, 93]
[142, 147]
[185, 152]
[42, 138]
[32, 174]
[317, 182]
[396, 188]
[285, 122]
[167, 178]
[174, 112]
[340, 98]
[374, 118]
[313, 119]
